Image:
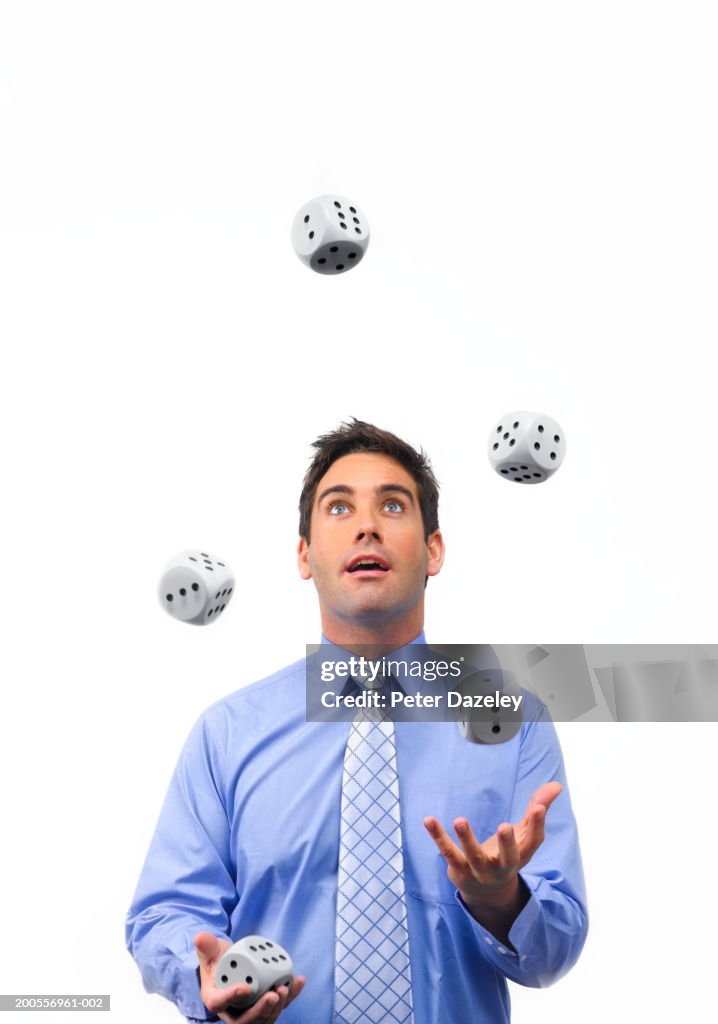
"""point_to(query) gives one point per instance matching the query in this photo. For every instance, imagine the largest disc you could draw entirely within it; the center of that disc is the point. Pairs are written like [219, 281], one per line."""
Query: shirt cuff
[519, 934]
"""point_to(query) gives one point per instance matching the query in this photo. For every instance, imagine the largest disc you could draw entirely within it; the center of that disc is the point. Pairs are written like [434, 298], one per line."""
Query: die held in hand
[526, 447]
[330, 234]
[257, 962]
[196, 587]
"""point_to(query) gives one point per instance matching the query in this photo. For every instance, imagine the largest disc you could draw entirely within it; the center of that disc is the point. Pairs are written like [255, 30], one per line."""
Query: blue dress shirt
[248, 843]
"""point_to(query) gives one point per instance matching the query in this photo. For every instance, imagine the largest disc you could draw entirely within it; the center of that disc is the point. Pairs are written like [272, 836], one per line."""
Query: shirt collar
[409, 684]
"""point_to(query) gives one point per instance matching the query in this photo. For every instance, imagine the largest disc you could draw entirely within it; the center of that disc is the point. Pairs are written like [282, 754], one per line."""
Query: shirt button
[487, 939]
[501, 949]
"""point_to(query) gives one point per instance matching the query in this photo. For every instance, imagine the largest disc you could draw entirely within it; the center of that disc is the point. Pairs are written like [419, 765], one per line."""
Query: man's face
[367, 507]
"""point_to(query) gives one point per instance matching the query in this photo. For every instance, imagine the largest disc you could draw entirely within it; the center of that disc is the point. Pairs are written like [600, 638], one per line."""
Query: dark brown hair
[357, 436]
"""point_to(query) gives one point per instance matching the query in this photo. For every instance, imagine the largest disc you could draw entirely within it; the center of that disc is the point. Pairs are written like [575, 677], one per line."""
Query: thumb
[209, 948]
[546, 794]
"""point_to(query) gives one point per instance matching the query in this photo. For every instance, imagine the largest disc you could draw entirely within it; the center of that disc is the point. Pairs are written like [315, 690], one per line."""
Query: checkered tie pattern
[373, 975]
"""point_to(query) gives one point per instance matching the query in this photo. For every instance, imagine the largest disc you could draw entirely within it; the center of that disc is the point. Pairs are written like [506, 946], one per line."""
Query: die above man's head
[526, 447]
[330, 234]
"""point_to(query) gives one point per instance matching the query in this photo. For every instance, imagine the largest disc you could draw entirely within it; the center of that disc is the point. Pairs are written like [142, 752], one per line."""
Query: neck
[381, 636]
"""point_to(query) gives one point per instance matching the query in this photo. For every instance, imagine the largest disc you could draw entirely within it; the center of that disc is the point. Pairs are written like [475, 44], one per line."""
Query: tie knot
[374, 711]
[370, 674]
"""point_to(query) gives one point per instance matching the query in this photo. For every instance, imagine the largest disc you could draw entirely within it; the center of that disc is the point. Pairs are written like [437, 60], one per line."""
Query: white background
[540, 181]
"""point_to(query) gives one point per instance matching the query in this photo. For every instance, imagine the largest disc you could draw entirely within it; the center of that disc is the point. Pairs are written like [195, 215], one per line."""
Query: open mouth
[367, 565]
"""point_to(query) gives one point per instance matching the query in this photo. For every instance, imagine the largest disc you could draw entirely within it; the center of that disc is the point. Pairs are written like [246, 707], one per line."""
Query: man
[248, 840]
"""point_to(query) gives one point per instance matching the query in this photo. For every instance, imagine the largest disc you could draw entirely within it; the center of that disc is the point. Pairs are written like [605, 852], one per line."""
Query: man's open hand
[209, 951]
[481, 871]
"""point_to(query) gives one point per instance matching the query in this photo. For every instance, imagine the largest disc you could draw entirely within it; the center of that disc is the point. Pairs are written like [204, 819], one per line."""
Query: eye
[395, 501]
[336, 507]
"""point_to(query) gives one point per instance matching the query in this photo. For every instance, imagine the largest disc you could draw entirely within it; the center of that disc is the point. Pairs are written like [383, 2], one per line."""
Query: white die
[526, 447]
[487, 724]
[196, 587]
[330, 234]
[257, 962]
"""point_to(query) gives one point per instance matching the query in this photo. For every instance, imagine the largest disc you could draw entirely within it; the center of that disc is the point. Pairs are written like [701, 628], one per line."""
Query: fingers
[509, 853]
[532, 828]
[536, 830]
[268, 1008]
[285, 998]
[544, 797]
[546, 794]
[470, 844]
[453, 855]
[297, 986]
[222, 1000]
[265, 1009]
[470, 859]
[274, 1007]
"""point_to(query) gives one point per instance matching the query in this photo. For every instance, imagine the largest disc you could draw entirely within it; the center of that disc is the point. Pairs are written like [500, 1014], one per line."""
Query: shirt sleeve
[550, 930]
[186, 884]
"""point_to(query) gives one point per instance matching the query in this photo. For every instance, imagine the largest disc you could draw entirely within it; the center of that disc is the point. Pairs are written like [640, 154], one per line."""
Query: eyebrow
[381, 489]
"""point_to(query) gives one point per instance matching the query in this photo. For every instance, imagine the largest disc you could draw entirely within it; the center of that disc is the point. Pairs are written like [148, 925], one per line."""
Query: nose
[371, 534]
[367, 527]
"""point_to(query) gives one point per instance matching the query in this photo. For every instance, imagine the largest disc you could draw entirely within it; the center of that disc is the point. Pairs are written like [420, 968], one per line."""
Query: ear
[303, 559]
[435, 544]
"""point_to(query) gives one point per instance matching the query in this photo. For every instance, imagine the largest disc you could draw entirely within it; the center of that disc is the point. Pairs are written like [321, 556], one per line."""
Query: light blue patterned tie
[373, 975]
